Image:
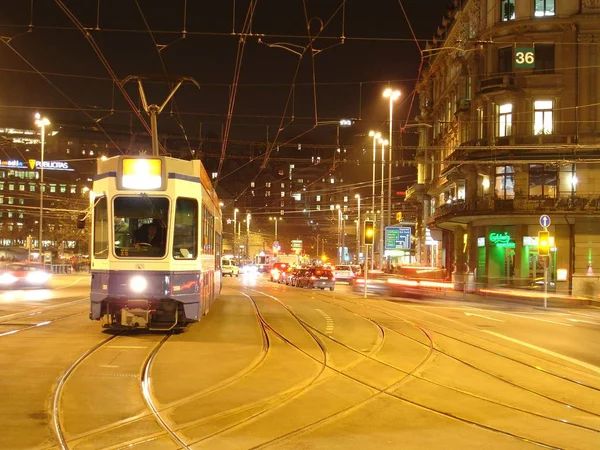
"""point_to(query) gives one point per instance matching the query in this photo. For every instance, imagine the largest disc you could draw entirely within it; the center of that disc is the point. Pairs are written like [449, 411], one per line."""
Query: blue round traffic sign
[545, 220]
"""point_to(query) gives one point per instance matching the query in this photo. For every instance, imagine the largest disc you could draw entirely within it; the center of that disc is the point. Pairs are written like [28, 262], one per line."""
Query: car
[22, 275]
[344, 273]
[229, 267]
[277, 269]
[317, 278]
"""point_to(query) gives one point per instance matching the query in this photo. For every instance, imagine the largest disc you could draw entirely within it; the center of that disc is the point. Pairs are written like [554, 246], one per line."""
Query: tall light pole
[235, 249]
[41, 122]
[392, 95]
[357, 197]
[248, 235]
[275, 219]
[383, 143]
[340, 250]
[375, 136]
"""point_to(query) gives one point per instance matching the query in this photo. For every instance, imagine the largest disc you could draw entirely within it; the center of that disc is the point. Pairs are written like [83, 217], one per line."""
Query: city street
[284, 367]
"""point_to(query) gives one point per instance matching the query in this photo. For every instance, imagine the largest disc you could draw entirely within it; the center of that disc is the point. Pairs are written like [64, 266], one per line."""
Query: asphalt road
[281, 367]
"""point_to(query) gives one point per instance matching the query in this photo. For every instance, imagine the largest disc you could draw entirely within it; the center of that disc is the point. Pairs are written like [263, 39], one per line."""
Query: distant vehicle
[229, 267]
[344, 273]
[317, 278]
[276, 270]
[23, 275]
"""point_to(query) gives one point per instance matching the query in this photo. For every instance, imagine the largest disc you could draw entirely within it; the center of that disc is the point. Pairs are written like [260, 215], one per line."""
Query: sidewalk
[554, 300]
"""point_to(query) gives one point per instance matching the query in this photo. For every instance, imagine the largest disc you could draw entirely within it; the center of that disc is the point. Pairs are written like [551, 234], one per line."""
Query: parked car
[344, 273]
[22, 275]
[317, 278]
[229, 267]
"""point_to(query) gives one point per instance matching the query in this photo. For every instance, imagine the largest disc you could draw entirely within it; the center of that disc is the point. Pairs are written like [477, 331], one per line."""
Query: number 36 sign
[524, 58]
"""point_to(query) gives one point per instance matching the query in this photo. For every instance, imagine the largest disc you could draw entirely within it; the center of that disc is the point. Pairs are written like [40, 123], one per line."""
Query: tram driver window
[140, 226]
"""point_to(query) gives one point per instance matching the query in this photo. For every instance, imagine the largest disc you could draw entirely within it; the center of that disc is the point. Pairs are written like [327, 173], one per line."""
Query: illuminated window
[252, 184]
[543, 8]
[282, 185]
[52, 188]
[268, 185]
[297, 197]
[332, 180]
[32, 187]
[21, 187]
[11, 187]
[507, 10]
[505, 182]
[63, 188]
[318, 198]
[480, 122]
[505, 120]
[283, 193]
[542, 119]
[318, 207]
[345, 199]
[542, 181]
[73, 189]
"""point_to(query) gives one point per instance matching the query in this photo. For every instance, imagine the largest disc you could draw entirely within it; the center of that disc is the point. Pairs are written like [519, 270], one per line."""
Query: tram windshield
[140, 226]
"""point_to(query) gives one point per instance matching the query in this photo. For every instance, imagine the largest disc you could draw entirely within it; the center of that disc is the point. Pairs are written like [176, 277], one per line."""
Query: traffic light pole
[546, 281]
[366, 267]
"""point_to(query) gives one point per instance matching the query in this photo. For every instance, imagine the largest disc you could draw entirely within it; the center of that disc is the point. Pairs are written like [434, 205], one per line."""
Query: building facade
[510, 115]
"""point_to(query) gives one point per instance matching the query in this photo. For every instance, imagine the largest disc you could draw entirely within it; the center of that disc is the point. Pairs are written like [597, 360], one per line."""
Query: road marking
[546, 351]
[9, 332]
[328, 321]
[72, 284]
[484, 317]
[584, 321]
[127, 346]
[108, 366]
[534, 318]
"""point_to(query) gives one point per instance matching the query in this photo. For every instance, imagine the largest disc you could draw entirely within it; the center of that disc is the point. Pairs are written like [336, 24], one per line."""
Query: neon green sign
[501, 239]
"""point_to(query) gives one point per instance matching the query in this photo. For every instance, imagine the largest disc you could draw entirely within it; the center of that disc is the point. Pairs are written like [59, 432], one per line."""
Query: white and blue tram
[156, 242]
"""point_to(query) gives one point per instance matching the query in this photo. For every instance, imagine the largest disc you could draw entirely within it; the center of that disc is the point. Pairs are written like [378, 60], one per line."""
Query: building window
[282, 185]
[11, 187]
[73, 189]
[505, 59]
[318, 198]
[318, 207]
[252, 184]
[345, 199]
[542, 119]
[542, 181]
[32, 187]
[11, 200]
[283, 193]
[297, 197]
[480, 122]
[505, 120]
[21, 201]
[268, 185]
[21, 187]
[544, 58]
[52, 188]
[63, 188]
[505, 182]
[507, 10]
[544, 8]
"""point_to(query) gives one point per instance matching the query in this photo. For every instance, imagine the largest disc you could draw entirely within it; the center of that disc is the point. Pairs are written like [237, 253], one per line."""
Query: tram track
[388, 392]
[145, 389]
[471, 394]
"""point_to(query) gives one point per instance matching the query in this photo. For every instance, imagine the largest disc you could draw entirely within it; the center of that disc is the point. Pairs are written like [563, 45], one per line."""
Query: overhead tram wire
[61, 92]
[105, 63]
[178, 120]
[234, 85]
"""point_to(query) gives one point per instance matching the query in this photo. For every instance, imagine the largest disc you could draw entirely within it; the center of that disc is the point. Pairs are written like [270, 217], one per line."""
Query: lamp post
[41, 122]
[275, 219]
[235, 250]
[383, 143]
[339, 240]
[248, 235]
[375, 136]
[392, 95]
[357, 197]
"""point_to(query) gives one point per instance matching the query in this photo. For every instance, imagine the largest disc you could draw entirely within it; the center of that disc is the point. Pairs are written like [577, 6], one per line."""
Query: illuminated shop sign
[501, 239]
[49, 165]
[32, 164]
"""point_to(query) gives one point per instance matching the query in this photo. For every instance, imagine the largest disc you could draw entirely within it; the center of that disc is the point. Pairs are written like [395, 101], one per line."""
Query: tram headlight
[138, 284]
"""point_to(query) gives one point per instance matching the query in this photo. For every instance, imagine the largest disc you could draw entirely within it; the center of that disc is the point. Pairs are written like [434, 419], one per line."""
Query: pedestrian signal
[543, 243]
[369, 232]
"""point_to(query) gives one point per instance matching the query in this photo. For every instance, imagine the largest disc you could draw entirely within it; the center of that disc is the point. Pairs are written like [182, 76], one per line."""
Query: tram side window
[101, 229]
[185, 238]
[208, 227]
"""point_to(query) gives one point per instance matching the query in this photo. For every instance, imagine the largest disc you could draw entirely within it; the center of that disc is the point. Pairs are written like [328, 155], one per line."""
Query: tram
[156, 242]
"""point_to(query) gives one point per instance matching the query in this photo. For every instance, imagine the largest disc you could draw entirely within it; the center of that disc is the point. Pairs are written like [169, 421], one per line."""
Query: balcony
[533, 205]
[497, 84]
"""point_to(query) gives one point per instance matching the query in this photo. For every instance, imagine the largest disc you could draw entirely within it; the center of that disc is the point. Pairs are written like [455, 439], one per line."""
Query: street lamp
[357, 197]
[392, 95]
[375, 136]
[41, 122]
[248, 235]
[275, 219]
[340, 250]
[383, 143]
[235, 211]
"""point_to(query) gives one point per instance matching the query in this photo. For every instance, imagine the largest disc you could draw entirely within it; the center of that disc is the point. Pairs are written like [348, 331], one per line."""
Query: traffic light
[369, 232]
[543, 243]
